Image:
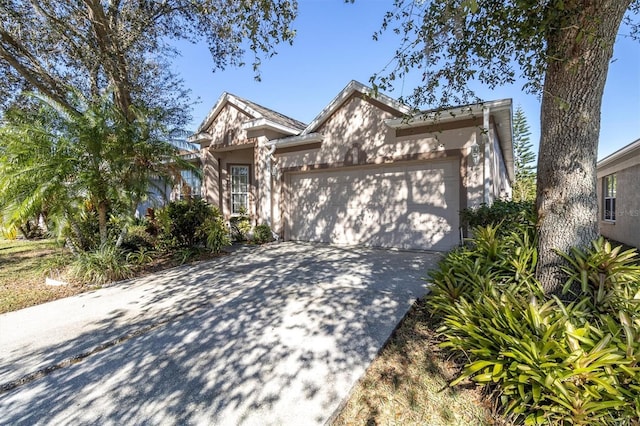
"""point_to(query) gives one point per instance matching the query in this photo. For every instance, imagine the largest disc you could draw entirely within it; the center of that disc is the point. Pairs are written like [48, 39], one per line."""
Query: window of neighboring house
[191, 185]
[609, 189]
[239, 189]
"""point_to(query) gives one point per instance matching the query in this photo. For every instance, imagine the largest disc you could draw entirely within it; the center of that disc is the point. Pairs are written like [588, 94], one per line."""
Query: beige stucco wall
[357, 122]
[230, 145]
[626, 228]
[357, 131]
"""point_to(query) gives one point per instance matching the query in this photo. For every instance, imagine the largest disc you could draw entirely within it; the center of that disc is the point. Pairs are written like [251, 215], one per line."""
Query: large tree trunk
[582, 46]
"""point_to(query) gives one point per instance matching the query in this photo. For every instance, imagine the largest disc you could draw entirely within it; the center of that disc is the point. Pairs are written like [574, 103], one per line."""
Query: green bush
[140, 257]
[215, 232]
[490, 261]
[511, 213]
[103, 265]
[608, 275]
[240, 226]
[551, 363]
[262, 234]
[180, 223]
[137, 238]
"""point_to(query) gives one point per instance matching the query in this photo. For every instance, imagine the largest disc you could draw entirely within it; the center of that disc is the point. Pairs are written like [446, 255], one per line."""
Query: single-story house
[619, 195]
[365, 171]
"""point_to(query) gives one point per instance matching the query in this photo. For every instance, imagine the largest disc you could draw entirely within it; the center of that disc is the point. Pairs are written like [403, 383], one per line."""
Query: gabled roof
[344, 95]
[276, 117]
[261, 116]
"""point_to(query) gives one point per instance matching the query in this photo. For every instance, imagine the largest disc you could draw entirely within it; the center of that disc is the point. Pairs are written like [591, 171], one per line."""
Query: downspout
[486, 169]
[270, 151]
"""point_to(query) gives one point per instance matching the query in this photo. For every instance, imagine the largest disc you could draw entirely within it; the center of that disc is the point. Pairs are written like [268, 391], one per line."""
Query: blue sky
[334, 45]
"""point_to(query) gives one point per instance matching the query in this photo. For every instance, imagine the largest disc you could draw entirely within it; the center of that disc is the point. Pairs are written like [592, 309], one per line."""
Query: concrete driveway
[277, 334]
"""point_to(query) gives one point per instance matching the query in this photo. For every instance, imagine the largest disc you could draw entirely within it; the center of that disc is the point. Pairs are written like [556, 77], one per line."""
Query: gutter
[296, 140]
[270, 150]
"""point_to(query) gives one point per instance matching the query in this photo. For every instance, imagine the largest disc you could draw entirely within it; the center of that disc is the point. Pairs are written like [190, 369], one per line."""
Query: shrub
[240, 226]
[609, 276]
[215, 232]
[137, 238]
[551, 363]
[511, 213]
[186, 254]
[103, 265]
[490, 261]
[262, 234]
[180, 222]
[140, 257]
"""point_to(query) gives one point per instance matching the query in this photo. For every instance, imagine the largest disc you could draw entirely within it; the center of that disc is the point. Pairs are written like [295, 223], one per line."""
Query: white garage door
[411, 206]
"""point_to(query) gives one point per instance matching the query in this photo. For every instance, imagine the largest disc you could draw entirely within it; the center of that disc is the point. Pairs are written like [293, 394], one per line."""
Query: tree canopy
[456, 42]
[51, 46]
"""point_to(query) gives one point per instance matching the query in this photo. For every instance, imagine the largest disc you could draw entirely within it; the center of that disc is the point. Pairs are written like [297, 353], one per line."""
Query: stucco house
[162, 191]
[619, 195]
[363, 172]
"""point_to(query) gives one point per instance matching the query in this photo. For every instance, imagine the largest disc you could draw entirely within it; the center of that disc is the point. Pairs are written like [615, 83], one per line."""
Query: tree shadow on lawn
[269, 335]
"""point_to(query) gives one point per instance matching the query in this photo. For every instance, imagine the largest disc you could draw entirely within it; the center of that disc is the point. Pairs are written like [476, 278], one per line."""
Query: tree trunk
[102, 221]
[582, 46]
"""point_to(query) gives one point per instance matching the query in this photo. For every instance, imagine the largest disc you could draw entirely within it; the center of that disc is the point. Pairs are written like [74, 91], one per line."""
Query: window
[239, 189]
[191, 185]
[609, 190]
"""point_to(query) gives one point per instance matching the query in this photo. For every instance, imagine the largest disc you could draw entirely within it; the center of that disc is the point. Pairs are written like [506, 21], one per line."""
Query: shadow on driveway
[277, 334]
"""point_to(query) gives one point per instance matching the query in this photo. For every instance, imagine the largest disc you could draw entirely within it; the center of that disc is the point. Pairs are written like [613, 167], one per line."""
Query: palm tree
[72, 164]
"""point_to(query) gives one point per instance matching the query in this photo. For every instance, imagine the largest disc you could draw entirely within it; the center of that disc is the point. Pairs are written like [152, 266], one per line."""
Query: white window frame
[609, 189]
[239, 189]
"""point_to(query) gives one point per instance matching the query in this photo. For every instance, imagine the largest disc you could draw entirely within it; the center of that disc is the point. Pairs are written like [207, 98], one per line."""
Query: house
[363, 172]
[619, 195]
[189, 185]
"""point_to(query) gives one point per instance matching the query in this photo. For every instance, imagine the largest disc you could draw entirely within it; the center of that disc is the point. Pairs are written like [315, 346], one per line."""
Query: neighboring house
[161, 191]
[619, 195]
[362, 173]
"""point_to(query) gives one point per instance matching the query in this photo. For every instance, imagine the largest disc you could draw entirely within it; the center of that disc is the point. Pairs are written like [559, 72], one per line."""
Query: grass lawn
[23, 269]
[407, 384]
[24, 266]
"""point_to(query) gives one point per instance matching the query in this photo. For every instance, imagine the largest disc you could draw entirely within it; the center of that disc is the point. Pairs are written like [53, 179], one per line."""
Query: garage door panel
[413, 206]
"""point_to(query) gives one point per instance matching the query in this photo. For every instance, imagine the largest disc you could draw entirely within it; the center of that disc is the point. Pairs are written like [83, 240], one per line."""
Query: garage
[410, 206]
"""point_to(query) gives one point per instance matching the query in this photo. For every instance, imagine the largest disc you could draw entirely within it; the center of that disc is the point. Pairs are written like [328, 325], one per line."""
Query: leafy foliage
[240, 226]
[262, 234]
[511, 213]
[71, 166]
[550, 363]
[191, 224]
[216, 232]
[138, 238]
[125, 46]
[141, 256]
[607, 274]
[101, 266]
